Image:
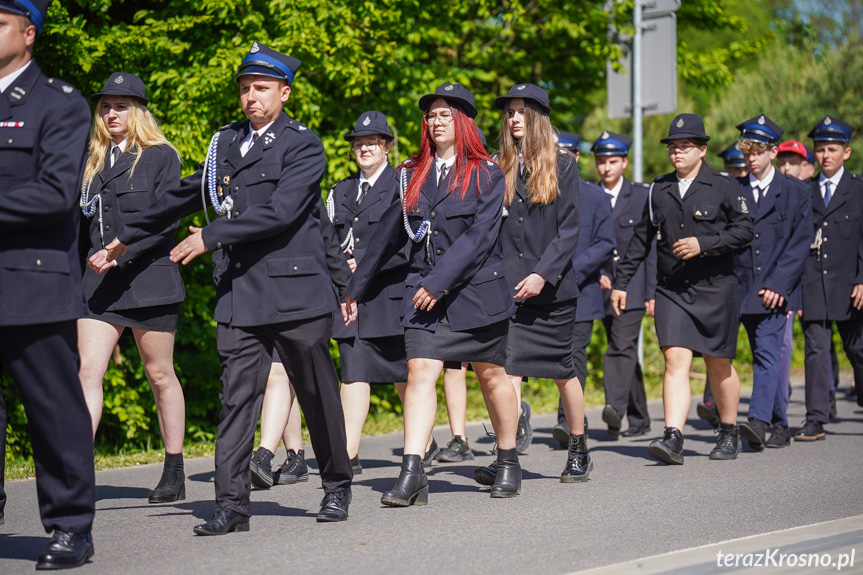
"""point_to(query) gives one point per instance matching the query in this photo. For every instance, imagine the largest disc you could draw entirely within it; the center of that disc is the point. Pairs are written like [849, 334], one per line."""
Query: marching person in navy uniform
[768, 272]
[274, 290]
[131, 165]
[698, 216]
[538, 238]
[457, 301]
[734, 162]
[622, 376]
[43, 124]
[593, 253]
[833, 278]
[372, 349]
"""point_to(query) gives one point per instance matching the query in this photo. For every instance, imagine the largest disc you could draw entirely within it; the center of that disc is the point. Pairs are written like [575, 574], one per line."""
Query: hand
[352, 263]
[771, 298]
[99, 263]
[349, 310]
[618, 301]
[605, 282]
[857, 296]
[424, 300]
[686, 248]
[115, 249]
[189, 248]
[650, 307]
[529, 286]
[799, 313]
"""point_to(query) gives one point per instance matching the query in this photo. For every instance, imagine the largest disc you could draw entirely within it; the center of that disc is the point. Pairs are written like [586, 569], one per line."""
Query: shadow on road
[21, 547]
[120, 492]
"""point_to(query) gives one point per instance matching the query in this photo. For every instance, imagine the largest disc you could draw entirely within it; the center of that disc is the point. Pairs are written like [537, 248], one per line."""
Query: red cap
[793, 147]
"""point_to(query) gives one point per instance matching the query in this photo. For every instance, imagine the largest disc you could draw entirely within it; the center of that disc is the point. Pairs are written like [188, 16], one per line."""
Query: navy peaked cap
[761, 129]
[732, 156]
[35, 10]
[831, 129]
[686, 126]
[527, 92]
[370, 123]
[123, 84]
[264, 61]
[454, 94]
[611, 144]
[568, 140]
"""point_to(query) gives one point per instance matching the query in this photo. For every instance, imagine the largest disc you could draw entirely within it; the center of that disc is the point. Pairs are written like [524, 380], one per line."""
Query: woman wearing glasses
[457, 302]
[699, 217]
[130, 166]
[538, 238]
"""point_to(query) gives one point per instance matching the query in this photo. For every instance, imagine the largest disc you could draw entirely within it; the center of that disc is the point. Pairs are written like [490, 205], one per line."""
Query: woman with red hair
[457, 303]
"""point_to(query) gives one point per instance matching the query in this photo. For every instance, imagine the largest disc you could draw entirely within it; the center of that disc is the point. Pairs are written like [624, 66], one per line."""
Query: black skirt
[154, 318]
[482, 345]
[378, 360]
[703, 318]
[541, 341]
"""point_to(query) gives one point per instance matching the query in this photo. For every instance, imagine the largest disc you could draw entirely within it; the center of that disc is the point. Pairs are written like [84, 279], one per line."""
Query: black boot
[755, 432]
[261, 468]
[172, 485]
[507, 481]
[669, 449]
[412, 486]
[293, 470]
[486, 475]
[728, 445]
[578, 461]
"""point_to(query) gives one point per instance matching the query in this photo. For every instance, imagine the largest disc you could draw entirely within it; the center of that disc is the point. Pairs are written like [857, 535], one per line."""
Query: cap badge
[255, 48]
[522, 87]
[761, 120]
[367, 121]
[680, 123]
[827, 121]
[604, 136]
[449, 87]
[795, 146]
[118, 80]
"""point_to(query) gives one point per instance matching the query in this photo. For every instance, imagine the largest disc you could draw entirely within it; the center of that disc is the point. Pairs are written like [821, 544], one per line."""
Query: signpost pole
[637, 106]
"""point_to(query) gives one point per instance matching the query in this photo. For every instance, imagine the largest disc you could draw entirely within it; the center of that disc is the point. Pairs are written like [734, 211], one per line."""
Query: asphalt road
[634, 515]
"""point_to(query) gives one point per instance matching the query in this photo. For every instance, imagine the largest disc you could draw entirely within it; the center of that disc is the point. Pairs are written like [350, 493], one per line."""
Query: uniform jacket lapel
[767, 204]
[123, 164]
[840, 194]
[817, 201]
[622, 198]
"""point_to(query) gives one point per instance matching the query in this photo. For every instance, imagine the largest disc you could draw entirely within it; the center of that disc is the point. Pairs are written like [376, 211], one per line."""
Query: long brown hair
[143, 133]
[469, 157]
[539, 151]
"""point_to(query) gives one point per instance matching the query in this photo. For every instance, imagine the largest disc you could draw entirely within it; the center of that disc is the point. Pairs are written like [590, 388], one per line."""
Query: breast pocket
[705, 218]
[848, 224]
[35, 282]
[491, 285]
[16, 145]
[133, 195]
[461, 209]
[294, 280]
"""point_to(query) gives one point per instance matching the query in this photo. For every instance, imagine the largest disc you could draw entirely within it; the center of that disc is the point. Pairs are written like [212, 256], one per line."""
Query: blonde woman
[130, 165]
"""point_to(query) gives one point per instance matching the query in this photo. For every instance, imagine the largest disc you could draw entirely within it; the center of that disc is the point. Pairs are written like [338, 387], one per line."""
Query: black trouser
[43, 362]
[583, 330]
[623, 380]
[246, 357]
[818, 336]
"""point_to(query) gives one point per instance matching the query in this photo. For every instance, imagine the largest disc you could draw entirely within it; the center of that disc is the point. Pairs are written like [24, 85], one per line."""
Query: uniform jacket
[461, 265]
[714, 211]
[777, 255]
[271, 266]
[379, 314]
[145, 275]
[43, 136]
[593, 252]
[626, 213]
[832, 271]
[541, 239]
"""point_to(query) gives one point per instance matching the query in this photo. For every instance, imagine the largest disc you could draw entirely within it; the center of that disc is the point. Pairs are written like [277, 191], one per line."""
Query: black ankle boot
[578, 461]
[172, 485]
[412, 486]
[728, 445]
[669, 449]
[507, 482]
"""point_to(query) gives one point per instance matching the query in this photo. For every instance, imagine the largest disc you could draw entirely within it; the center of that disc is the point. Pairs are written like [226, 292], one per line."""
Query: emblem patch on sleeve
[741, 205]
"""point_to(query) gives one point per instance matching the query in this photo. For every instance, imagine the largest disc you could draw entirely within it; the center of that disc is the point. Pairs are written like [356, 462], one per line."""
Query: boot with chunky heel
[507, 481]
[172, 485]
[412, 487]
[578, 461]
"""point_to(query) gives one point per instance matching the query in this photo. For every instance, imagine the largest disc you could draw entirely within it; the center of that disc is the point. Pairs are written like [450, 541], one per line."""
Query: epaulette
[665, 178]
[298, 126]
[489, 162]
[723, 174]
[61, 86]
[855, 176]
[641, 185]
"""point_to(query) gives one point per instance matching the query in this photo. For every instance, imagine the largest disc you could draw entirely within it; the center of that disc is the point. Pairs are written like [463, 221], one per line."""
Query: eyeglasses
[440, 119]
[357, 145]
[682, 148]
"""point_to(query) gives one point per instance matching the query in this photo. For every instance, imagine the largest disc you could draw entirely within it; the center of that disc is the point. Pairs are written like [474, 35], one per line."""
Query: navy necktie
[827, 193]
[115, 155]
[364, 189]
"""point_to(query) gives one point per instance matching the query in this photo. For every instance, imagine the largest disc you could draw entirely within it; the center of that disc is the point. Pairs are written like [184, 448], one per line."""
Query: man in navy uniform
[592, 254]
[622, 377]
[274, 291]
[833, 278]
[734, 162]
[768, 272]
[43, 130]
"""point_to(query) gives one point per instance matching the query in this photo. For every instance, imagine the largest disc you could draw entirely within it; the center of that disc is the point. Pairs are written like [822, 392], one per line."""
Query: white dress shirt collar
[8, 79]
